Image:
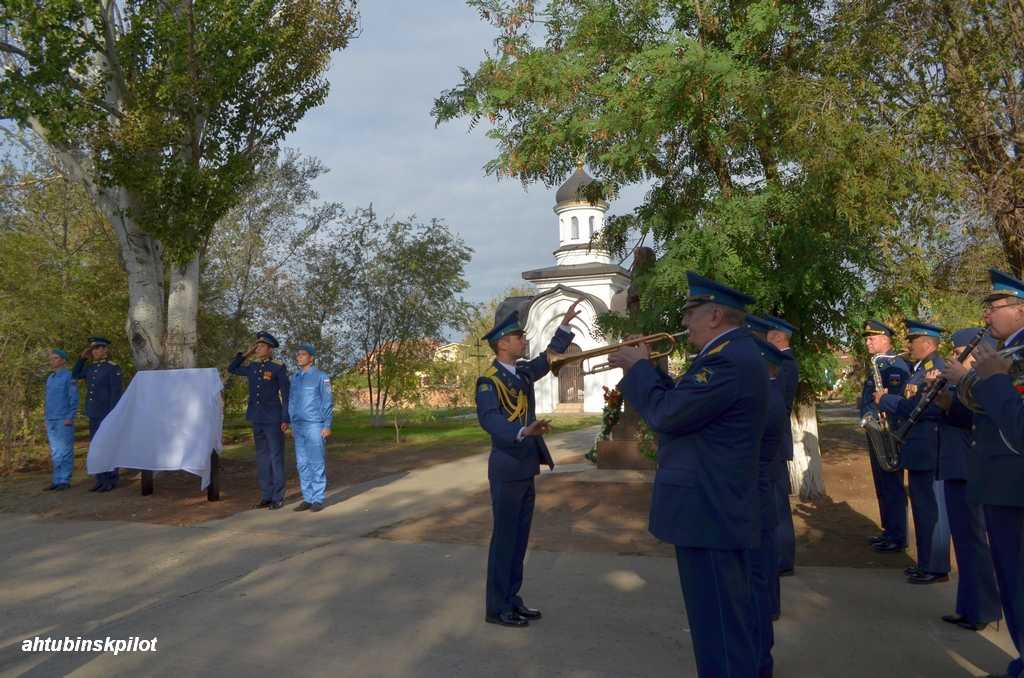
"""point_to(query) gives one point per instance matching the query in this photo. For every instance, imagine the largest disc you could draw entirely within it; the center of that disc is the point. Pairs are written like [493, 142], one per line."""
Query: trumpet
[556, 361]
[965, 389]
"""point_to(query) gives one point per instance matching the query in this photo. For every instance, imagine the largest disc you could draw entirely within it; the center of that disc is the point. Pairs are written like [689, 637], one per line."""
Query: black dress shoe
[911, 571]
[51, 486]
[96, 487]
[508, 618]
[62, 486]
[528, 612]
[276, 505]
[927, 578]
[888, 547]
[302, 507]
[105, 488]
[877, 539]
[786, 573]
[264, 503]
[971, 626]
[953, 618]
[316, 508]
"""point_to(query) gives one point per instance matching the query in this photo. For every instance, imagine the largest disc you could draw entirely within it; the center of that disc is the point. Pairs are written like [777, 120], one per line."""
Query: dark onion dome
[570, 190]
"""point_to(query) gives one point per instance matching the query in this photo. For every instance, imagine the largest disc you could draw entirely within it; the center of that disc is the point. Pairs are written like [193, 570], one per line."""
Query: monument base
[622, 454]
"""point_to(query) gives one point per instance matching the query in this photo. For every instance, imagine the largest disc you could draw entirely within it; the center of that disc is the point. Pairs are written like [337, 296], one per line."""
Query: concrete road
[280, 593]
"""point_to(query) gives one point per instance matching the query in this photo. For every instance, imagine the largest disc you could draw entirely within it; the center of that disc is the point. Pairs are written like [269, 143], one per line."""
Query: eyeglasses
[992, 308]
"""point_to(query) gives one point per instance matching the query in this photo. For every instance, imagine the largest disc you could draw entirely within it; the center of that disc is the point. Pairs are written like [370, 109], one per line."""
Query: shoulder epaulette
[718, 348]
[491, 371]
[276, 361]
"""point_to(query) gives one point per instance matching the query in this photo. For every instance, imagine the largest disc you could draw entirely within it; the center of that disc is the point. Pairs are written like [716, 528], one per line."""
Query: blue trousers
[107, 477]
[512, 507]
[309, 459]
[721, 610]
[62, 450]
[764, 577]
[928, 504]
[977, 598]
[1006, 537]
[785, 535]
[269, 439]
[892, 500]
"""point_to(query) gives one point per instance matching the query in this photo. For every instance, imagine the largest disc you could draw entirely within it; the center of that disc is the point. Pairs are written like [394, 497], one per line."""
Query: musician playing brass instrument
[892, 499]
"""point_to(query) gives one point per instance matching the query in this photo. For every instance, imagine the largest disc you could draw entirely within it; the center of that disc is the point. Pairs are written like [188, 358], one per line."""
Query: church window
[575, 229]
[591, 227]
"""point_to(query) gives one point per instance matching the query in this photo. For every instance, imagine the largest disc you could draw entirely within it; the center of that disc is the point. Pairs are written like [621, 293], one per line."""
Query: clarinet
[929, 397]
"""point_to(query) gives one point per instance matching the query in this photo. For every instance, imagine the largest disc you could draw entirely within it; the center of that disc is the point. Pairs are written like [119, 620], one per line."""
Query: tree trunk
[805, 476]
[182, 311]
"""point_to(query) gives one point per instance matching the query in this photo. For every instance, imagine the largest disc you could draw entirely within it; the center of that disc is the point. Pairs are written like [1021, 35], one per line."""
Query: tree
[163, 110]
[764, 174]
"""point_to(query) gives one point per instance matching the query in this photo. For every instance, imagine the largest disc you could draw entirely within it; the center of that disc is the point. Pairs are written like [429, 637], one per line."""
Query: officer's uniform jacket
[955, 436]
[496, 390]
[310, 398]
[789, 379]
[995, 473]
[61, 396]
[895, 373]
[777, 432]
[920, 450]
[102, 386]
[268, 389]
[709, 425]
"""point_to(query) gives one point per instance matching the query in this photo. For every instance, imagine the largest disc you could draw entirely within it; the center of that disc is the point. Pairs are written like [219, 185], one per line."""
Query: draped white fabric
[167, 420]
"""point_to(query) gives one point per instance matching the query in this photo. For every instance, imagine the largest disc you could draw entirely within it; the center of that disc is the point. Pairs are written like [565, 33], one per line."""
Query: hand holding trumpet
[630, 354]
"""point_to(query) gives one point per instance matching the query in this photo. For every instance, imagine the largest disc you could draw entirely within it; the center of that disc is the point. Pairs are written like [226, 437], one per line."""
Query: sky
[376, 135]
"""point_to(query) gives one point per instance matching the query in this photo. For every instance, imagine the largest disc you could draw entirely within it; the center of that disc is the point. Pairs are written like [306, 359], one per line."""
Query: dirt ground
[177, 499]
[571, 515]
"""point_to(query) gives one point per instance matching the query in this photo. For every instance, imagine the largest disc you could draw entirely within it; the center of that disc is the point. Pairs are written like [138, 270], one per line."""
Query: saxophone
[884, 445]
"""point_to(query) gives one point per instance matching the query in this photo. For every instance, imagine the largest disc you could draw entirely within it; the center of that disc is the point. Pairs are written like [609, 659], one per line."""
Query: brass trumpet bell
[556, 361]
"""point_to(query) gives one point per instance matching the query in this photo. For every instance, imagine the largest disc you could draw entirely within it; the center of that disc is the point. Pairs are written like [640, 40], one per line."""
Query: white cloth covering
[167, 420]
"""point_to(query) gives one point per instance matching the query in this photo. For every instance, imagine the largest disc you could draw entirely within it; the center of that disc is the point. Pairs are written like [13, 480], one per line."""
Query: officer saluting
[892, 498]
[267, 413]
[505, 409]
[710, 425]
[103, 389]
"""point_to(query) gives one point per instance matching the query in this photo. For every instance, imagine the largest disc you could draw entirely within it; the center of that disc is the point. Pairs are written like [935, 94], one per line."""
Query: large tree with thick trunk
[162, 110]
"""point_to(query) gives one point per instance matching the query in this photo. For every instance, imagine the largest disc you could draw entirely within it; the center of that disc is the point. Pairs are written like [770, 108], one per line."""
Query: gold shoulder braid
[516, 410]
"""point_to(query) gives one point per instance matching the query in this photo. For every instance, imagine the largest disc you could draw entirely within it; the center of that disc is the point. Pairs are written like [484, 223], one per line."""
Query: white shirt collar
[707, 345]
[510, 368]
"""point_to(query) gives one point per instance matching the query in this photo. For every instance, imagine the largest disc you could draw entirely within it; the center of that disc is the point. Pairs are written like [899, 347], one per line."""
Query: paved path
[280, 593]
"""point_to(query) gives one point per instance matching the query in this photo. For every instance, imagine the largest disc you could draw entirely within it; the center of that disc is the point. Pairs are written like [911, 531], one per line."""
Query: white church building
[579, 272]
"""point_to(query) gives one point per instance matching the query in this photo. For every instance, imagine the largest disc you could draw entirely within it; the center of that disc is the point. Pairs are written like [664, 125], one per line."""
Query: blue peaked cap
[758, 324]
[506, 325]
[59, 352]
[1004, 285]
[307, 347]
[967, 335]
[916, 328]
[873, 327]
[99, 341]
[779, 324]
[704, 290]
[773, 355]
[268, 339]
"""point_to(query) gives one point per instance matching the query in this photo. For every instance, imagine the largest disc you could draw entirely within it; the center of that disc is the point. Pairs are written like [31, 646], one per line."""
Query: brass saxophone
[884, 446]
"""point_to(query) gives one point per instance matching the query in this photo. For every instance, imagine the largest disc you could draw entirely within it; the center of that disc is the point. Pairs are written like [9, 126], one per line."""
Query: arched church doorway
[570, 380]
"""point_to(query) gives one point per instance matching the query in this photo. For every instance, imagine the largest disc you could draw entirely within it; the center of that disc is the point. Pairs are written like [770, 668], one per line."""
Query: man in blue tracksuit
[920, 456]
[311, 407]
[710, 425]
[977, 598]
[60, 410]
[995, 467]
[103, 387]
[267, 413]
[505, 408]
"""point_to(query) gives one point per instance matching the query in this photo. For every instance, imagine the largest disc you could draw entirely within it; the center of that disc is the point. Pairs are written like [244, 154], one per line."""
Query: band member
[977, 599]
[764, 570]
[995, 469]
[60, 410]
[267, 413]
[920, 457]
[505, 409]
[889, 486]
[311, 408]
[710, 425]
[103, 389]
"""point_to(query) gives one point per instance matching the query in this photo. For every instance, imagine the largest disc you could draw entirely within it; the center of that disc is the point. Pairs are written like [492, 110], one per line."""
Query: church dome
[570, 190]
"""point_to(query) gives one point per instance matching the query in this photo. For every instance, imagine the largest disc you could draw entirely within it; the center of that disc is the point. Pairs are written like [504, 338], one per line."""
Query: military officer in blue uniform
[505, 409]
[889, 485]
[995, 468]
[709, 425]
[764, 569]
[311, 407]
[267, 413]
[977, 599]
[60, 410]
[919, 455]
[103, 387]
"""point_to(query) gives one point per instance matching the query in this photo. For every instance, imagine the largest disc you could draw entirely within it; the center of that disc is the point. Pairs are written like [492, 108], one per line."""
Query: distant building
[580, 272]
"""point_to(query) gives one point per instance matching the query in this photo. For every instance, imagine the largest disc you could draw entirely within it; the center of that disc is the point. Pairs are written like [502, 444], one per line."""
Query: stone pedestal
[623, 450]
